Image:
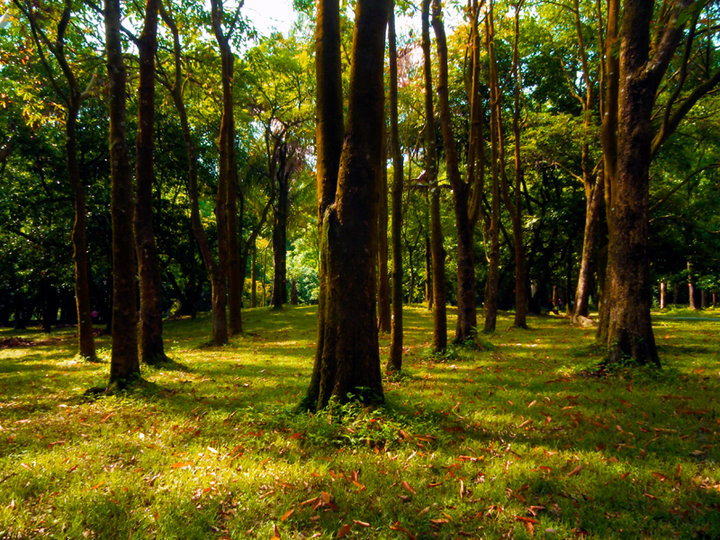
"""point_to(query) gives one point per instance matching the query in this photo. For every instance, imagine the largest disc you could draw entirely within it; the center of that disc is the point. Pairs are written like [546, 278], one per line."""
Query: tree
[72, 98]
[396, 327]
[643, 62]
[436, 237]
[348, 362]
[466, 296]
[124, 363]
[151, 343]
[226, 204]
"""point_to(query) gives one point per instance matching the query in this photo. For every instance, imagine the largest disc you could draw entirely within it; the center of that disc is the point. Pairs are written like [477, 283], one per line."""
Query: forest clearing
[517, 440]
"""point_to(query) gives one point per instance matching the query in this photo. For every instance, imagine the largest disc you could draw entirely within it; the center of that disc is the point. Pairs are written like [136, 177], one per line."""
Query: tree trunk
[428, 272]
[692, 296]
[86, 342]
[593, 214]
[253, 276]
[466, 296]
[226, 203]
[396, 334]
[280, 217]
[328, 136]
[151, 342]
[630, 332]
[217, 282]
[349, 362]
[436, 237]
[124, 363]
[493, 280]
[663, 294]
[383, 280]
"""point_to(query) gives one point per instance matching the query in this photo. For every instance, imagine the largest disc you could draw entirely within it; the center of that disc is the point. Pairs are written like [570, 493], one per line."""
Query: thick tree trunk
[328, 136]
[349, 363]
[396, 333]
[151, 342]
[124, 363]
[436, 237]
[630, 332]
[466, 295]
[383, 280]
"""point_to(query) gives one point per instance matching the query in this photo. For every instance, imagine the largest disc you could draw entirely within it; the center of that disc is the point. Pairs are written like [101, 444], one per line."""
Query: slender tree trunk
[124, 363]
[349, 361]
[593, 214]
[436, 237]
[515, 207]
[428, 272]
[86, 342]
[383, 281]
[253, 276]
[466, 295]
[663, 294]
[226, 205]
[493, 281]
[151, 342]
[396, 334]
[692, 295]
[217, 282]
[279, 294]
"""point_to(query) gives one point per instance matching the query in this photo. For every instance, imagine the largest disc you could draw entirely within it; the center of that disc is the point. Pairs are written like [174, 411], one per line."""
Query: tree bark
[692, 295]
[349, 363]
[466, 295]
[152, 351]
[396, 332]
[124, 363]
[663, 294]
[593, 214]
[436, 237]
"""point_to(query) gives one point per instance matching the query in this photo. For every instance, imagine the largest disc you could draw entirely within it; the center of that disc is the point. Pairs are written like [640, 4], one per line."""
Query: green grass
[512, 441]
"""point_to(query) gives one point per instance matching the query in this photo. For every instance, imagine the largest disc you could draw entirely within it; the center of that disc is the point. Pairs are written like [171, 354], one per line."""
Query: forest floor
[518, 440]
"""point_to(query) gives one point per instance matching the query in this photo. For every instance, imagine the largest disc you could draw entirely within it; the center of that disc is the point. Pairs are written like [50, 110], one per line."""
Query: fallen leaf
[397, 527]
[287, 514]
[361, 523]
[660, 476]
[576, 470]
[181, 464]
[343, 530]
[408, 487]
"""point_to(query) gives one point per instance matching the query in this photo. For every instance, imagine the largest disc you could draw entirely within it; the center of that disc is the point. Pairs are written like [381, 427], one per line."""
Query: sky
[270, 15]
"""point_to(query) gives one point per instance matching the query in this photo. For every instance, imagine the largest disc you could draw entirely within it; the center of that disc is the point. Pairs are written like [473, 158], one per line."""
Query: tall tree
[174, 83]
[226, 203]
[492, 285]
[72, 99]
[151, 342]
[396, 327]
[643, 62]
[383, 281]
[124, 362]
[349, 363]
[466, 295]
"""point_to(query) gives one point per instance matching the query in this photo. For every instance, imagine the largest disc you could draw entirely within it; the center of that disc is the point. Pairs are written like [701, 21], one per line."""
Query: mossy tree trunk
[347, 361]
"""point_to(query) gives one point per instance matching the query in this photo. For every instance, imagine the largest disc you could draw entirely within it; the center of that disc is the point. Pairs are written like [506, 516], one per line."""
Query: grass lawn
[516, 441]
